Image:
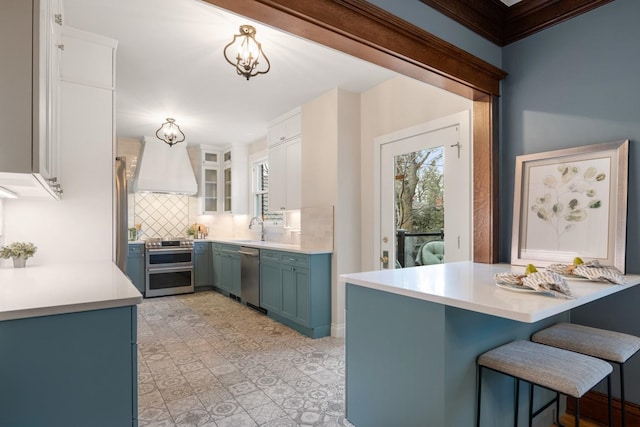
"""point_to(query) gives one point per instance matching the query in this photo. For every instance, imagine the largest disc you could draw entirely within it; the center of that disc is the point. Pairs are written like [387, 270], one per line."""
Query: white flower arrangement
[23, 250]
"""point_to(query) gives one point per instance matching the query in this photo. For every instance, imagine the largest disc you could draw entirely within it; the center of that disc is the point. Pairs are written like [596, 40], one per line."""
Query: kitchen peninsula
[68, 352]
[413, 336]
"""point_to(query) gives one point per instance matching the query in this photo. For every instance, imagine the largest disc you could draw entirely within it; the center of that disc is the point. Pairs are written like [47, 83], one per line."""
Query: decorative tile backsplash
[161, 215]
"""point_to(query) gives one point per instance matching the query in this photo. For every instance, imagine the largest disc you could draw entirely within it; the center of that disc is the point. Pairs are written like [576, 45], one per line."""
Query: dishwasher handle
[249, 252]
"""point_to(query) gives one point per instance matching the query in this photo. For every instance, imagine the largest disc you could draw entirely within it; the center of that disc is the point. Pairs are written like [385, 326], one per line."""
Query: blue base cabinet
[70, 370]
[201, 265]
[135, 265]
[295, 289]
[226, 268]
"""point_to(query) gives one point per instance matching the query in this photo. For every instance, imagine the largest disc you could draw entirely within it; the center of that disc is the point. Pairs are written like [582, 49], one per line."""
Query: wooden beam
[485, 180]
[368, 32]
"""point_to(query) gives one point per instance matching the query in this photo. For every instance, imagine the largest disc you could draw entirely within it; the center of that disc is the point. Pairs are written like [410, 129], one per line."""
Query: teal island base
[412, 363]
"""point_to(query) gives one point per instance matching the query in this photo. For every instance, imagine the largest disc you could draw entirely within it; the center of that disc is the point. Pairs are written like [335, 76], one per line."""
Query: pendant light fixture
[170, 132]
[248, 53]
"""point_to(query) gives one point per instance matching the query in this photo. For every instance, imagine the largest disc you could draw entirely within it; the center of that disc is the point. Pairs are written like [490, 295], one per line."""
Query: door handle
[384, 259]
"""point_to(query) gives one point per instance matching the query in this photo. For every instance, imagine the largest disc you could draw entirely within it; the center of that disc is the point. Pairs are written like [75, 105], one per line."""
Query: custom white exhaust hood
[164, 169]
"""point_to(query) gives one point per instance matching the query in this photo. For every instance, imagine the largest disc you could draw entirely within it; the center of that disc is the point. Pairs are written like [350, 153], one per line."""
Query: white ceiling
[170, 64]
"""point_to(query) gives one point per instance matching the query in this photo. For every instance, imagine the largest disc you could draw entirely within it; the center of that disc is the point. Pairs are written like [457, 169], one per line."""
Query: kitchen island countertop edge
[44, 290]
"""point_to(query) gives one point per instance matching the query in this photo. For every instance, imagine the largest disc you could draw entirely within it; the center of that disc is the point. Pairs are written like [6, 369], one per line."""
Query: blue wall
[574, 84]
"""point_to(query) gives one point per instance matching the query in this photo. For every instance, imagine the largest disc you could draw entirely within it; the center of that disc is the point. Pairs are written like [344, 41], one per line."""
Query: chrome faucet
[259, 221]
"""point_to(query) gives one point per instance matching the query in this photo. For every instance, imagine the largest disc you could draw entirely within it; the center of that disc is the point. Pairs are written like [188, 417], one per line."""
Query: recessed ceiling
[170, 64]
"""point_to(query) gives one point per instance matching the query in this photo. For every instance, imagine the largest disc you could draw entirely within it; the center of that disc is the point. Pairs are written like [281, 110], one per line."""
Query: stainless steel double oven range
[169, 267]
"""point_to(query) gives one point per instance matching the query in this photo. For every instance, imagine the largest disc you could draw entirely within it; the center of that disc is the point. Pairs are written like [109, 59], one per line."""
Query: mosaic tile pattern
[208, 361]
[161, 215]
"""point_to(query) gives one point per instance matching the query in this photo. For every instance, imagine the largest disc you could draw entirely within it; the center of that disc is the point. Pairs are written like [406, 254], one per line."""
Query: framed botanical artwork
[571, 203]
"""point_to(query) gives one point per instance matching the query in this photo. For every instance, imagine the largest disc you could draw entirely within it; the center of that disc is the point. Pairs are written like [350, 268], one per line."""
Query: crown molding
[504, 25]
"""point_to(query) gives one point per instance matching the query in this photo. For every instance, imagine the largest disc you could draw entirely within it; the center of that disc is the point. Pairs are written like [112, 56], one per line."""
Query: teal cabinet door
[226, 276]
[295, 294]
[201, 264]
[303, 297]
[271, 286]
[135, 265]
[236, 271]
[217, 266]
[289, 292]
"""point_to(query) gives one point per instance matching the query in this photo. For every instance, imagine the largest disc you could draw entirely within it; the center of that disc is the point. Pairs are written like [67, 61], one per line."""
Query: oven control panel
[167, 244]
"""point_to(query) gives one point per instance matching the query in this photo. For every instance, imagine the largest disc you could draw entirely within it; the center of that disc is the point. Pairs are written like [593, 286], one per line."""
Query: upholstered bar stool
[614, 347]
[562, 371]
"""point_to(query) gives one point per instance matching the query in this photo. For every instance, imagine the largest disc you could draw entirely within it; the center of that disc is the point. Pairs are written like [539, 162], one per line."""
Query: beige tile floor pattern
[206, 360]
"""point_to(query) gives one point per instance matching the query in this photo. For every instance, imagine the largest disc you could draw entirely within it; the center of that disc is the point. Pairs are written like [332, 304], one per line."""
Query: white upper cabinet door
[278, 178]
[89, 58]
[294, 174]
[285, 127]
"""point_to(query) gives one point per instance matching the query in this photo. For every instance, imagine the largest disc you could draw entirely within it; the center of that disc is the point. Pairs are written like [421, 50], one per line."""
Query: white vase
[19, 262]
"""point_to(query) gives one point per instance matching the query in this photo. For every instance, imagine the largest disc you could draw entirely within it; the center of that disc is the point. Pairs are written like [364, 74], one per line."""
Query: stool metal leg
[609, 402]
[624, 420]
[517, 403]
[530, 405]
[479, 394]
[577, 412]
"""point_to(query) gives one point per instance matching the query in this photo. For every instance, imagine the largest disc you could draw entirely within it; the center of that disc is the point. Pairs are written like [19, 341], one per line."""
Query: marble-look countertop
[471, 286]
[43, 290]
[269, 245]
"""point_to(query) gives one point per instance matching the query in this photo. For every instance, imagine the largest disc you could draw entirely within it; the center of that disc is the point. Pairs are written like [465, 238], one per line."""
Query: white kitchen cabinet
[285, 157]
[285, 175]
[285, 127]
[235, 180]
[30, 96]
[206, 167]
[222, 178]
[88, 59]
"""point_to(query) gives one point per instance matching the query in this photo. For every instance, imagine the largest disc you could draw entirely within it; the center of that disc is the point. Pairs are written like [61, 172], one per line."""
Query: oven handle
[169, 249]
[153, 270]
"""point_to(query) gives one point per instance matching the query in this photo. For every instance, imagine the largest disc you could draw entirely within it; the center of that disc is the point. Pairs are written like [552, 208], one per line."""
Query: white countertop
[42, 290]
[471, 286]
[270, 245]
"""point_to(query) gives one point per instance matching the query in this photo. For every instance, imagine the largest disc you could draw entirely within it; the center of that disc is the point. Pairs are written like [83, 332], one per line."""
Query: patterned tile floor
[206, 360]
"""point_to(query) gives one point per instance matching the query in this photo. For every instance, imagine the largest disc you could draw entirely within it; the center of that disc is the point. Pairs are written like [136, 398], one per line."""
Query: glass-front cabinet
[227, 189]
[210, 184]
[222, 175]
[205, 160]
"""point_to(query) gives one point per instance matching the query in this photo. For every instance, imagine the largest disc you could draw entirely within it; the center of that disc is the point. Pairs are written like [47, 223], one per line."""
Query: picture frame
[571, 203]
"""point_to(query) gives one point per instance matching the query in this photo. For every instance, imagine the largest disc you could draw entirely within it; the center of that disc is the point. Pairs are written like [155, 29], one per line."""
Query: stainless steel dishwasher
[250, 276]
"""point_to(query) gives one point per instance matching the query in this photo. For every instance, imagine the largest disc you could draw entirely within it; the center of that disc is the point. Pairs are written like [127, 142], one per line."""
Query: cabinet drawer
[136, 250]
[298, 260]
[229, 248]
[269, 255]
[201, 247]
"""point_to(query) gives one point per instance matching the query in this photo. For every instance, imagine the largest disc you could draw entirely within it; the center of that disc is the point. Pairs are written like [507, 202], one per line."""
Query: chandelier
[170, 132]
[248, 53]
